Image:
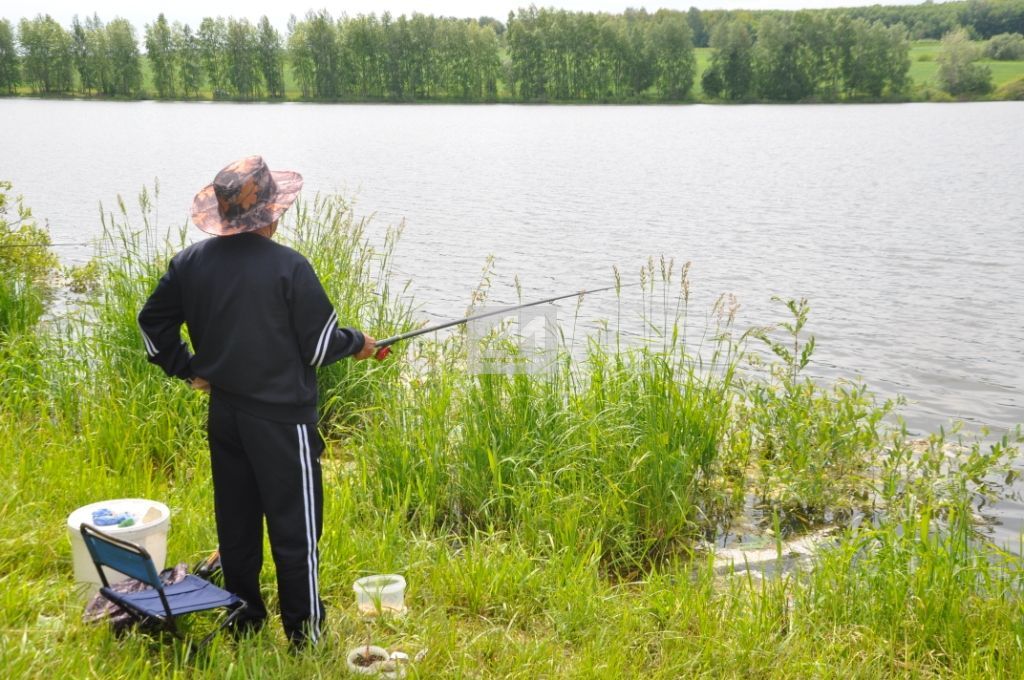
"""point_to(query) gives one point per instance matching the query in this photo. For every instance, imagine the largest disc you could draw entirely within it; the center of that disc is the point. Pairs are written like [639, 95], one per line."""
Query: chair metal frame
[151, 578]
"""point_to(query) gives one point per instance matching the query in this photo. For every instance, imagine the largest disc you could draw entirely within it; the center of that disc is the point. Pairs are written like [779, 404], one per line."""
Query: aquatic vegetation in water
[813, 446]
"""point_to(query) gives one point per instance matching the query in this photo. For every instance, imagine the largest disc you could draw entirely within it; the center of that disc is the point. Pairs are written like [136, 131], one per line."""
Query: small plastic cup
[380, 594]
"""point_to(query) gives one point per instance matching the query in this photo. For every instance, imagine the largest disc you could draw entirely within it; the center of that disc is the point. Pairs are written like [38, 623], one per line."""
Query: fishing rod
[384, 346]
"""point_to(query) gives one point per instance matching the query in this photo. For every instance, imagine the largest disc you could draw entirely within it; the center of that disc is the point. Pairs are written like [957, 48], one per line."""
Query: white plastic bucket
[152, 520]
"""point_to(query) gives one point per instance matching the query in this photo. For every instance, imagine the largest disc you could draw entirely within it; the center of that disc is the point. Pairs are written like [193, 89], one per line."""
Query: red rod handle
[382, 353]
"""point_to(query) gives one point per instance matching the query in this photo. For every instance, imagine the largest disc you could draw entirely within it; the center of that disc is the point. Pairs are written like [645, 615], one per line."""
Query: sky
[192, 11]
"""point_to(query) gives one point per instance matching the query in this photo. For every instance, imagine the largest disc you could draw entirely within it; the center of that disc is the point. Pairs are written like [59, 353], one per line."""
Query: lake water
[902, 224]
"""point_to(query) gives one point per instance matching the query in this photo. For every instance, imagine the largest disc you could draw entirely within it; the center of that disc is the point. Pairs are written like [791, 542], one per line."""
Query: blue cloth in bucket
[105, 518]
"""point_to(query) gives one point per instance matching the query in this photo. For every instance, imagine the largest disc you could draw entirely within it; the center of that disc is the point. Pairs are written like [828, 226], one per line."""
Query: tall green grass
[549, 524]
[620, 450]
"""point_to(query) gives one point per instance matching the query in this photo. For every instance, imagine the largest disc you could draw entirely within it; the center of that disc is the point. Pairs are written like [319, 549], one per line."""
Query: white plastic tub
[380, 594]
[152, 521]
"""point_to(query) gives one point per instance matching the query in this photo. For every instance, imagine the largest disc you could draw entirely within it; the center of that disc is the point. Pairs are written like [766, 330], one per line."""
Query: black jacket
[258, 319]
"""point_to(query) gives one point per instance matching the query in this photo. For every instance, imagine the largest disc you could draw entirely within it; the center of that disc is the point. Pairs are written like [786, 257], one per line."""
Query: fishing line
[383, 346]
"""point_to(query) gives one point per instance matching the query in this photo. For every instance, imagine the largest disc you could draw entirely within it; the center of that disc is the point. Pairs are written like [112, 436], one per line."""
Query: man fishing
[260, 325]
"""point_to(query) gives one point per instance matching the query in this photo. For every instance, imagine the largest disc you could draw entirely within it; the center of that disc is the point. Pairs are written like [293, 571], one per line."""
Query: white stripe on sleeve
[151, 349]
[325, 340]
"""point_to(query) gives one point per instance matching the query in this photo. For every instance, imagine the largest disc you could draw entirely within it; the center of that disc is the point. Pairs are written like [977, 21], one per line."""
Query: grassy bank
[550, 525]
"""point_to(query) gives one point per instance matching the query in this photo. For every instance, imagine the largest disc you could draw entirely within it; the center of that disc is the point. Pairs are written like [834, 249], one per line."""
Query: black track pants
[268, 469]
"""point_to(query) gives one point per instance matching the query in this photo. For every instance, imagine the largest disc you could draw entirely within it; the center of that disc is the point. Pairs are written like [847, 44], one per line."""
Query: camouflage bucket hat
[245, 196]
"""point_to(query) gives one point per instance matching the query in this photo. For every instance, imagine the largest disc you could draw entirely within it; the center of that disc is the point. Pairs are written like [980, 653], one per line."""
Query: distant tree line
[234, 57]
[981, 19]
[418, 57]
[803, 55]
[560, 55]
[104, 57]
[9, 71]
[536, 55]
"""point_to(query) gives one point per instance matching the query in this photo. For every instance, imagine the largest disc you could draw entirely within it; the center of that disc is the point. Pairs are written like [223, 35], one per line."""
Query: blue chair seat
[192, 594]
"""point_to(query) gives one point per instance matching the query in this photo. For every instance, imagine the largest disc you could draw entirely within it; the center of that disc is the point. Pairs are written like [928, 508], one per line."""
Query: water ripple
[910, 249]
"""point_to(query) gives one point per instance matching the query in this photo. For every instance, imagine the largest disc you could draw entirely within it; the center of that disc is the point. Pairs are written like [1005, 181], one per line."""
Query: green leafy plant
[813, 446]
[27, 266]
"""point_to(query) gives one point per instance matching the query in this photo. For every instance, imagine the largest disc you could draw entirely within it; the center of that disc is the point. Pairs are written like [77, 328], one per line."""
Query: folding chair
[157, 604]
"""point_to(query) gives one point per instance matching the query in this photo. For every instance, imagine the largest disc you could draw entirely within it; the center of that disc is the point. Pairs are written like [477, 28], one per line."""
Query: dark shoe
[300, 641]
[244, 626]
